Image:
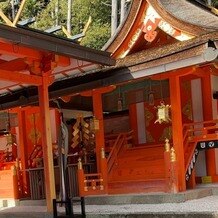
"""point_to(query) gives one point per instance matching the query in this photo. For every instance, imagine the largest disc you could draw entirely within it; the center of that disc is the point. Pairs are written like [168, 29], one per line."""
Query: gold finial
[102, 153]
[167, 145]
[79, 164]
[172, 155]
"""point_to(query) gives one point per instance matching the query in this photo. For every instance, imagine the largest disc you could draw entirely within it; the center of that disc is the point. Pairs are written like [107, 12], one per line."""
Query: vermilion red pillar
[99, 135]
[177, 129]
[23, 152]
[47, 143]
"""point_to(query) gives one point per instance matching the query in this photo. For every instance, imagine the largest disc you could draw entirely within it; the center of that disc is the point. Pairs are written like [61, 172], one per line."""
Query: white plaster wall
[214, 84]
[198, 116]
[140, 112]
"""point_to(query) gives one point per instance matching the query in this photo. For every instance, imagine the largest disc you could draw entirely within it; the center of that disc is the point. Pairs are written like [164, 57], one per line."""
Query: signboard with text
[207, 144]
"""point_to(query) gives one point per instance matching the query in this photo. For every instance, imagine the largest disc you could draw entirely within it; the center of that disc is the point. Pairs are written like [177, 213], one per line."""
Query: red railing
[92, 183]
[197, 132]
[96, 183]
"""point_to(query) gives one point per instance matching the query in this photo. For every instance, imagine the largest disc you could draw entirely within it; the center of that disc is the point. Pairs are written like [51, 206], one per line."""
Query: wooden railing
[122, 139]
[93, 183]
[37, 181]
[197, 132]
[73, 177]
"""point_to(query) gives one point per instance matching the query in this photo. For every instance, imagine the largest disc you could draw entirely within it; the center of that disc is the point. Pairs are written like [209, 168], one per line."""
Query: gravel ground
[206, 205]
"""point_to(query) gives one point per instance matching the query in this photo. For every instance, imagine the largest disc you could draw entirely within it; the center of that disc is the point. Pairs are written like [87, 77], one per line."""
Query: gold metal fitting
[14, 169]
[102, 153]
[167, 145]
[79, 164]
[172, 155]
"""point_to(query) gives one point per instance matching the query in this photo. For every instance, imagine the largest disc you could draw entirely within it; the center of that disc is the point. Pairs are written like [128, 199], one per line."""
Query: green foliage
[6, 8]
[99, 30]
[97, 36]
[32, 8]
[215, 3]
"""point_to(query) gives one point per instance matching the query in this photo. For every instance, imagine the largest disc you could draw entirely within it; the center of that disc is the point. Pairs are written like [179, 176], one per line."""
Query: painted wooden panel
[7, 186]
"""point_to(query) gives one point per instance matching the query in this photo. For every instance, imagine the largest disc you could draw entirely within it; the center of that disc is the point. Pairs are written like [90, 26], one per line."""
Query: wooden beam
[18, 64]
[55, 45]
[4, 17]
[17, 77]
[47, 143]
[19, 51]
[86, 28]
[62, 61]
[66, 32]
[99, 90]
[17, 17]
[179, 73]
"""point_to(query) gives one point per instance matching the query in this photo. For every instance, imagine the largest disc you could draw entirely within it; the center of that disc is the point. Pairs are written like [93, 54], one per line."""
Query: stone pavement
[198, 203]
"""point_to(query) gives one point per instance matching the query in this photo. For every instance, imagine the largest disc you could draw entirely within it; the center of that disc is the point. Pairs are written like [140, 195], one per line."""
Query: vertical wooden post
[208, 115]
[99, 135]
[81, 178]
[167, 164]
[15, 182]
[23, 152]
[47, 143]
[175, 99]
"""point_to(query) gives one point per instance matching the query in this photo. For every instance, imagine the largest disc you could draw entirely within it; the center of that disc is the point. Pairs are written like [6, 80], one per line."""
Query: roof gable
[152, 23]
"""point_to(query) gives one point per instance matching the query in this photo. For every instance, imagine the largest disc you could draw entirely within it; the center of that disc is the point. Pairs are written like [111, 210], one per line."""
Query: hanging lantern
[163, 113]
[151, 96]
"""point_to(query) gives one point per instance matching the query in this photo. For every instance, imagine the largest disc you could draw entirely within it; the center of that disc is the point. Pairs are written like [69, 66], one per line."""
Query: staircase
[136, 170]
[193, 134]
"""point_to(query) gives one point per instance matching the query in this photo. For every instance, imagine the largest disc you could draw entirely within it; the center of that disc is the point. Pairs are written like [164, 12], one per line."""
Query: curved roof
[149, 20]
[190, 13]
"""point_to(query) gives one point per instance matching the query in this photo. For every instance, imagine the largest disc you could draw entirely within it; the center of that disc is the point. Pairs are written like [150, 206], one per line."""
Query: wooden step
[137, 174]
[146, 186]
[145, 152]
